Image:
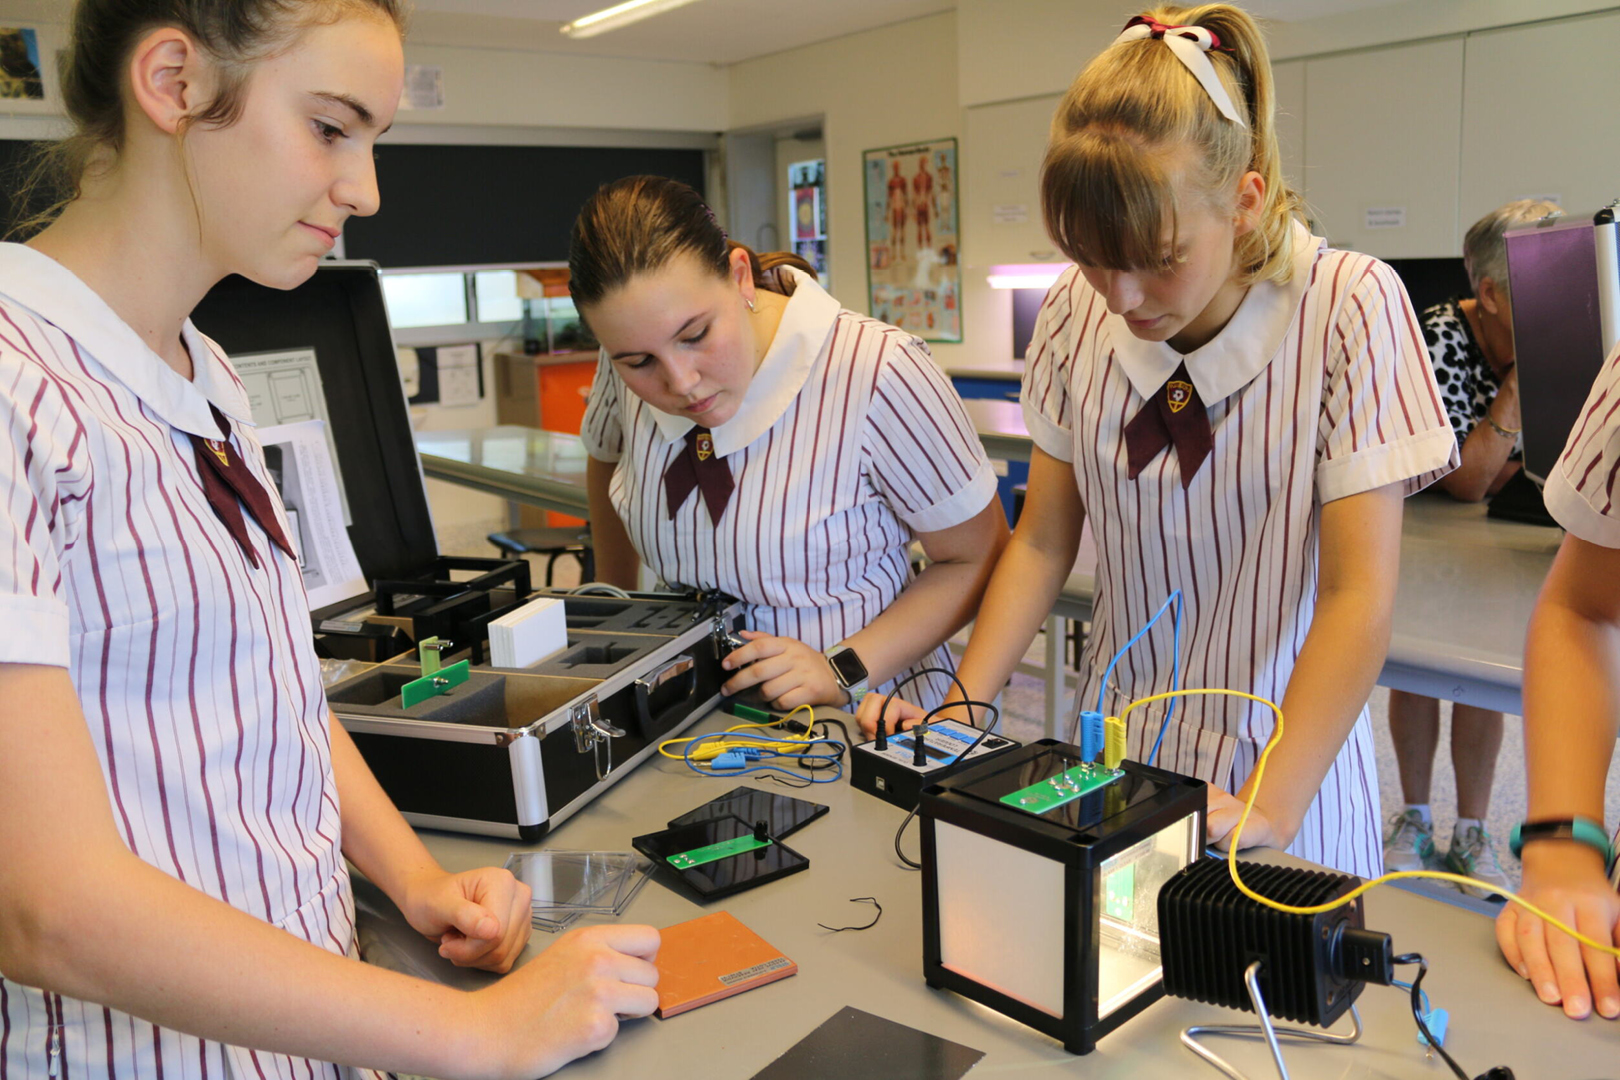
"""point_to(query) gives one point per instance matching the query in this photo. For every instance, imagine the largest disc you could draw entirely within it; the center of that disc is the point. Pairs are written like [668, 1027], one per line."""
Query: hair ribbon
[1191, 44]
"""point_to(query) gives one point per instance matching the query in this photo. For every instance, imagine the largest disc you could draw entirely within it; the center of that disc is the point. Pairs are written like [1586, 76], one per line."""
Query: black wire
[787, 780]
[858, 900]
[1417, 1010]
[900, 832]
[883, 713]
[995, 717]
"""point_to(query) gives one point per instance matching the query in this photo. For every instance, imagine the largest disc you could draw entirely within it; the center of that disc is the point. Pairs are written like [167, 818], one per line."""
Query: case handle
[672, 684]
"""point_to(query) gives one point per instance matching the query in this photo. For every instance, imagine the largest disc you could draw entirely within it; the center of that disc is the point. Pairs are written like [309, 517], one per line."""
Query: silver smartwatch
[849, 671]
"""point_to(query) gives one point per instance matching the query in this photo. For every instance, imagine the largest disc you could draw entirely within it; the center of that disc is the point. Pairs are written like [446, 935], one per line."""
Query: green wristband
[1581, 830]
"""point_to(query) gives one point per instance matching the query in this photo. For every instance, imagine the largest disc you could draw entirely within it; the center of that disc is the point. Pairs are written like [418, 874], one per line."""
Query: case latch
[724, 640]
[592, 732]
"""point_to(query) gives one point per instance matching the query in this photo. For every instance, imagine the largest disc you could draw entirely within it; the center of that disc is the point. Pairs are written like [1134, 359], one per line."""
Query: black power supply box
[897, 772]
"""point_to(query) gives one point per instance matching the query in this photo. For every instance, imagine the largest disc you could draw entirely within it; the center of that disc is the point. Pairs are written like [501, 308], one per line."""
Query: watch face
[848, 667]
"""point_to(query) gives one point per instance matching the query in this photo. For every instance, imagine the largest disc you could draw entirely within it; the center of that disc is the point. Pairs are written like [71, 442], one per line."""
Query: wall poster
[912, 247]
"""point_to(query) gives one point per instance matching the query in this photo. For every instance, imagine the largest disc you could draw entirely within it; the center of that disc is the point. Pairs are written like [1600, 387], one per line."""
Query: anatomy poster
[912, 246]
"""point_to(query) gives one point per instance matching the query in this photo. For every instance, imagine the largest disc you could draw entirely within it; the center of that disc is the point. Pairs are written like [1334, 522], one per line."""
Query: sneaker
[1409, 844]
[1473, 855]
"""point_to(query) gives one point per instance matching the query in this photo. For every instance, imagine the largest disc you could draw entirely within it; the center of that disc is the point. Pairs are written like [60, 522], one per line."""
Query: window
[434, 299]
[498, 300]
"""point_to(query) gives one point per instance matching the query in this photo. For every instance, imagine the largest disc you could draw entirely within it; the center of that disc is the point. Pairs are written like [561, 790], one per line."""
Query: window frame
[417, 337]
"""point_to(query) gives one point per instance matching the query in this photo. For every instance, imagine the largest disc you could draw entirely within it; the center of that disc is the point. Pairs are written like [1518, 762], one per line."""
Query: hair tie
[1191, 44]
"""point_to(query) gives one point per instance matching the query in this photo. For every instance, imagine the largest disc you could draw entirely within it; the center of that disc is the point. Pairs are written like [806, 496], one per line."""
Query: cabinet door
[1538, 116]
[1382, 132]
[1002, 148]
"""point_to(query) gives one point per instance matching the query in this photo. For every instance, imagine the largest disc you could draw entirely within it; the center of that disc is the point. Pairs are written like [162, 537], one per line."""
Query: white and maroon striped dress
[196, 672]
[1316, 390]
[848, 442]
[1581, 492]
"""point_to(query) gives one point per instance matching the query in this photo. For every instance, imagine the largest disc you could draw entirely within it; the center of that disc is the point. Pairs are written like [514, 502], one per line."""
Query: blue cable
[835, 759]
[1175, 678]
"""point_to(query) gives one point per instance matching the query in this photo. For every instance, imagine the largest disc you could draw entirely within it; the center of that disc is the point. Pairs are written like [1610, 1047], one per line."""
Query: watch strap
[1579, 829]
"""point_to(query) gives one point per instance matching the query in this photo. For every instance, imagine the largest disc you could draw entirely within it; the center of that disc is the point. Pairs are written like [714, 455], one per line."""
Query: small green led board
[1062, 789]
[725, 849]
[1119, 893]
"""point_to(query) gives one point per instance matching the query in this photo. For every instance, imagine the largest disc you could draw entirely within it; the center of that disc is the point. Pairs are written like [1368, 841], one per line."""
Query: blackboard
[458, 205]
[478, 205]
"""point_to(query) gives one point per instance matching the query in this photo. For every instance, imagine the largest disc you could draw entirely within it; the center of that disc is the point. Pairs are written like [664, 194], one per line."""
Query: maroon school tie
[1174, 414]
[698, 466]
[225, 480]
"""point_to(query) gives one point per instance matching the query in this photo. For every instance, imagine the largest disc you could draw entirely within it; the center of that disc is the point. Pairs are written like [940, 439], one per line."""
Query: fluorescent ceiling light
[1026, 275]
[600, 22]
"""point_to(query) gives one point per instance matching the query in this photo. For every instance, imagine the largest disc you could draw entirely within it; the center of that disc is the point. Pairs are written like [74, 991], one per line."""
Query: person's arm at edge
[617, 562]
[1571, 706]
[1343, 652]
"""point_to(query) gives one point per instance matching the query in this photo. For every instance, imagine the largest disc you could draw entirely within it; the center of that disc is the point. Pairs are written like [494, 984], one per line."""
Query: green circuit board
[1062, 789]
[715, 852]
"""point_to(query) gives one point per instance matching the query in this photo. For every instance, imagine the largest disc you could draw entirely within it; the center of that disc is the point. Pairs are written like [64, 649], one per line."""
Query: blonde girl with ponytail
[1241, 410]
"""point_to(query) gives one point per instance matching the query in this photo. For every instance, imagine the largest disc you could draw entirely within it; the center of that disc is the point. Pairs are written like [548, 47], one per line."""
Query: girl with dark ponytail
[748, 434]
[177, 806]
[1240, 410]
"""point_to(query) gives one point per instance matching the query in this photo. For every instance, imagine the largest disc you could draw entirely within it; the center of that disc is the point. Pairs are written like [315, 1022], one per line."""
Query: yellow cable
[788, 744]
[1248, 806]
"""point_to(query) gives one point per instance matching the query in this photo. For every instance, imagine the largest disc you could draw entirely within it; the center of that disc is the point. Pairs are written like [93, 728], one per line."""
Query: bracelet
[1506, 433]
[1581, 830]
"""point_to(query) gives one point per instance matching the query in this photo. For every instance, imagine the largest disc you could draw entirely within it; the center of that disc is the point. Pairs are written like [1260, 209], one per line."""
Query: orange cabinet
[546, 392]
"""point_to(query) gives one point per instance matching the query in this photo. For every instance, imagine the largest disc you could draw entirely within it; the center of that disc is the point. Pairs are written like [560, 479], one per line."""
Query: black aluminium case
[509, 753]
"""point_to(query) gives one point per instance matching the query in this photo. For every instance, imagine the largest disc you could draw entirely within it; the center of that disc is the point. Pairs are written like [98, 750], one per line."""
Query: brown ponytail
[637, 224]
[1106, 193]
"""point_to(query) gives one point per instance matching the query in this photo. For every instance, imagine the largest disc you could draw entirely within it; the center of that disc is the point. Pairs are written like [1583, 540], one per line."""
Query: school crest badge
[218, 449]
[705, 447]
[1178, 394]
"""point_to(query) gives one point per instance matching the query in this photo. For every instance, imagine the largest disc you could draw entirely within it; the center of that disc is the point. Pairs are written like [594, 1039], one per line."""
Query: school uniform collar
[808, 319]
[55, 294]
[1240, 351]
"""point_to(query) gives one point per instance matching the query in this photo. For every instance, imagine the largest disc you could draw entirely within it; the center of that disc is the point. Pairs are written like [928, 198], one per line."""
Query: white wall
[1024, 48]
[492, 77]
[884, 87]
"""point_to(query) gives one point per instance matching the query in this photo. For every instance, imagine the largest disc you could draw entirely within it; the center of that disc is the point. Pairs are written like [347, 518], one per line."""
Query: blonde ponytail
[1118, 137]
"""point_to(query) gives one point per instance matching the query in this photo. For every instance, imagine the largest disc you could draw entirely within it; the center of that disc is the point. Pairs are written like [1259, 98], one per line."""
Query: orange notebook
[710, 958]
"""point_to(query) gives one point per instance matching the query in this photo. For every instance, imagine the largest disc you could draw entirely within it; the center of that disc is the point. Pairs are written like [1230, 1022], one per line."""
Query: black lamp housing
[1052, 918]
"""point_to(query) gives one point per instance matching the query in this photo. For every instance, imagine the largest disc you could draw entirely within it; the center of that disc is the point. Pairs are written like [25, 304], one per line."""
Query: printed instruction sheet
[285, 388]
[304, 471]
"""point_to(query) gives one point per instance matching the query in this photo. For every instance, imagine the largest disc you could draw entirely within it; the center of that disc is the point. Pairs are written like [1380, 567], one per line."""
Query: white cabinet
[1002, 147]
[1382, 135]
[1538, 115]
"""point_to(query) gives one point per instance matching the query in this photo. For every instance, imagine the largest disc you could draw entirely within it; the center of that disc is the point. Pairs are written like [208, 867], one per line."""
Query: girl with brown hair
[1240, 410]
[177, 806]
[750, 435]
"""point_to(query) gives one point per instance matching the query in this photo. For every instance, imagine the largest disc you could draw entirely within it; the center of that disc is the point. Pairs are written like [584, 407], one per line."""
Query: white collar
[806, 323]
[55, 294]
[1240, 351]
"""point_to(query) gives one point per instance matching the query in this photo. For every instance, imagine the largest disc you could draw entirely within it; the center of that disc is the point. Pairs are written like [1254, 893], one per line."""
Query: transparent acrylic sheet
[578, 882]
[553, 920]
